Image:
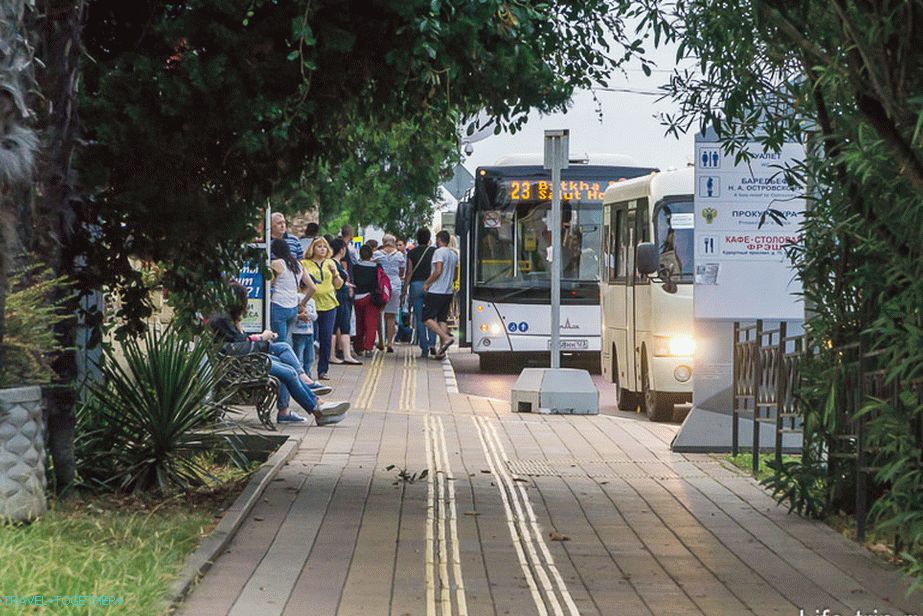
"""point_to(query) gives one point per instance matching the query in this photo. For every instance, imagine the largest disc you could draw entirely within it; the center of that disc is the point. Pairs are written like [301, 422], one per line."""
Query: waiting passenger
[294, 383]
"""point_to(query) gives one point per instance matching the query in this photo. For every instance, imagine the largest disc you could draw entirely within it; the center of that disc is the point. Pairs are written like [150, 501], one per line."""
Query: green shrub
[29, 341]
[142, 428]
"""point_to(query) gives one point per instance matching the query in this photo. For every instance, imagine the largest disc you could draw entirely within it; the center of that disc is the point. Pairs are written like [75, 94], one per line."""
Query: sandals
[445, 347]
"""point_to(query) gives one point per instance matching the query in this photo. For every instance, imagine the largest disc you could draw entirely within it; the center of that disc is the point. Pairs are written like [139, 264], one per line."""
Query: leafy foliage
[30, 342]
[199, 111]
[141, 429]
[842, 77]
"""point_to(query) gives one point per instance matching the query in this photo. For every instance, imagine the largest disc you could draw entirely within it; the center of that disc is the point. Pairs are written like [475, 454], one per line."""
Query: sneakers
[320, 389]
[328, 409]
[327, 420]
[432, 350]
[290, 418]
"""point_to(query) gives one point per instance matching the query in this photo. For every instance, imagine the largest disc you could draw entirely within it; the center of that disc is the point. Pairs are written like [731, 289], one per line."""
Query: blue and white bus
[505, 241]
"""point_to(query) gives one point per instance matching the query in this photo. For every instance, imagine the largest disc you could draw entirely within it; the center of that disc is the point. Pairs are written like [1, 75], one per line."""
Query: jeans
[323, 330]
[282, 320]
[283, 352]
[425, 337]
[291, 386]
[303, 345]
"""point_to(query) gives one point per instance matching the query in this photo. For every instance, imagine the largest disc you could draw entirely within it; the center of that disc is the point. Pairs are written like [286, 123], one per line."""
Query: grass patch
[130, 548]
[744, 461]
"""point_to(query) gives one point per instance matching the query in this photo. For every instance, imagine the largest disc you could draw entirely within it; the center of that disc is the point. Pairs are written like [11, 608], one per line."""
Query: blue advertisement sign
[252, 278]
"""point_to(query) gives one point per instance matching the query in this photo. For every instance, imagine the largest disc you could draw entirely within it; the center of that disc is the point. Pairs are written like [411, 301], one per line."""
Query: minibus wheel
[658, 406]
[627, 400]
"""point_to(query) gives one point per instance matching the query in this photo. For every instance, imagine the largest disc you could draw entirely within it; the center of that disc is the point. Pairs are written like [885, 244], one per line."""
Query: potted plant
[27, 346]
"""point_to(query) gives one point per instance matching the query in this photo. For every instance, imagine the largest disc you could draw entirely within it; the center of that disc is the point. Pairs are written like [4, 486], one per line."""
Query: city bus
[505, 240]
[646, 289]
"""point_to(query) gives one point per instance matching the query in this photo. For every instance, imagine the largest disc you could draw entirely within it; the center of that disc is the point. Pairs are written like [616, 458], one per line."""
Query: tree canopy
[197, 112]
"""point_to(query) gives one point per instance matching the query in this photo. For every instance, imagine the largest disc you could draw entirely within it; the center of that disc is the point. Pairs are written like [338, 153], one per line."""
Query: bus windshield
[512, 226]
[515, 250]
[673, 229]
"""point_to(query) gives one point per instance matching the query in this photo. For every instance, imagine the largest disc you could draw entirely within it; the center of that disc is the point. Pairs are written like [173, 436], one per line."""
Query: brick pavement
[428, 502]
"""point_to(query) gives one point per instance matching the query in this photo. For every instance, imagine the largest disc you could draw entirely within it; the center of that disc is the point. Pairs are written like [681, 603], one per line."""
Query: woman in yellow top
[323, 271]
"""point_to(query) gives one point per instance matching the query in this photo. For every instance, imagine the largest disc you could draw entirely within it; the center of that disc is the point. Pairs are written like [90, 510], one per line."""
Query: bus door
[464, 227]
[616, 295]
[641, 289]
[628, 361]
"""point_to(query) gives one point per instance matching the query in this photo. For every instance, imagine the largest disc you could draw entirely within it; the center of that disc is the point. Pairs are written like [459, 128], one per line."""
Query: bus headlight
[674, 346]
[493, 329]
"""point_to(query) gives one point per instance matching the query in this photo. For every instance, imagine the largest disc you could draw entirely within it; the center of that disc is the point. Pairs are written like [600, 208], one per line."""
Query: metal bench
[246, 382]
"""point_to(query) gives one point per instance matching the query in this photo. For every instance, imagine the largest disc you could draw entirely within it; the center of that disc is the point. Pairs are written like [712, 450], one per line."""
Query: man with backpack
[439, 291]
[372, 292]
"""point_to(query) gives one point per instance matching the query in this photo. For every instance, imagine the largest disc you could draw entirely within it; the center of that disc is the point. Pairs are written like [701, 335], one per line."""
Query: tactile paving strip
[600, 468]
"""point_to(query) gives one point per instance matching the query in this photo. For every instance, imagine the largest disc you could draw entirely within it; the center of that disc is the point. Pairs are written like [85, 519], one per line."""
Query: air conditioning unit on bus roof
[615, 160]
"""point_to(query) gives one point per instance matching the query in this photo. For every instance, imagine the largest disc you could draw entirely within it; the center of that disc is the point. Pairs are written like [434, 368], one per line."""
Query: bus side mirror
[647, 258]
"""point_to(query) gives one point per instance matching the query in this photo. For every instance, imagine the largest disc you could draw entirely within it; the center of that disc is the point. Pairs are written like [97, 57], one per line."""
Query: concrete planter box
[22, 454]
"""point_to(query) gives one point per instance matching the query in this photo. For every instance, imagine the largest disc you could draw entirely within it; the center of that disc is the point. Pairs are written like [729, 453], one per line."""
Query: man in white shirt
[439, 291]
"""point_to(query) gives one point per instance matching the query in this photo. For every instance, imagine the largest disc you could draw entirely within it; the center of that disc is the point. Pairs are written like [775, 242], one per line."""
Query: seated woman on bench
[294, 383]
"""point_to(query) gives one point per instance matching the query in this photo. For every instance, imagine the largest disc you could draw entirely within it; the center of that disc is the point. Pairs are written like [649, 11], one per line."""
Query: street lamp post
[556, 153]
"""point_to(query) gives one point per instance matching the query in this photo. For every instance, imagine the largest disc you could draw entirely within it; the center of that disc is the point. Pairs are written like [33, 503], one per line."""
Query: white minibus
[646, 291]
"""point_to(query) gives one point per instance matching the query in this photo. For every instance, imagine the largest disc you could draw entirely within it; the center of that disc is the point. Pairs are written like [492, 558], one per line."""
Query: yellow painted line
[532, 525]
[408, 398]
[511, 524]
[371, 381]
[412, 394]
[453, 525]
[430, 521]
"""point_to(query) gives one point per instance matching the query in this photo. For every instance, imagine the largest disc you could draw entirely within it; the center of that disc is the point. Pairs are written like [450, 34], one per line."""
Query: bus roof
[522, 160]
[656, 186]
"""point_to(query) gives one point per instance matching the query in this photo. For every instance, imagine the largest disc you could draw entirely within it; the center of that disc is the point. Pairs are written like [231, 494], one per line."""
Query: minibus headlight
[673, 346]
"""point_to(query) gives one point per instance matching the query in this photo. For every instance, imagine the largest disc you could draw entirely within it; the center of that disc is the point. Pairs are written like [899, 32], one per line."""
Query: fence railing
[767, 382]
[766, 378]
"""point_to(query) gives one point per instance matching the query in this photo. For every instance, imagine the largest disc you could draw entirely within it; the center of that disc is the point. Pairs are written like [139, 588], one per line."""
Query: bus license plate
[580, 344]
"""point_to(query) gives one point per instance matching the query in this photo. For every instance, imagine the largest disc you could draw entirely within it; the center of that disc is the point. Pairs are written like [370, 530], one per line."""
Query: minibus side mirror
[647, 258]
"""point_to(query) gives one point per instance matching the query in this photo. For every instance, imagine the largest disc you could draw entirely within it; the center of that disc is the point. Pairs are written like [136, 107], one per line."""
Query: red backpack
[382, 294]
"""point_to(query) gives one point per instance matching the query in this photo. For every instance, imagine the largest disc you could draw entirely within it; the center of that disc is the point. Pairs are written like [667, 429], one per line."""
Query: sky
[628, 125]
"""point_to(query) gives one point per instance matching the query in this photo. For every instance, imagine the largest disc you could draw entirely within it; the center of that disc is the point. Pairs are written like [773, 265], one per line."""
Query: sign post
[555, 389]
[556, 153]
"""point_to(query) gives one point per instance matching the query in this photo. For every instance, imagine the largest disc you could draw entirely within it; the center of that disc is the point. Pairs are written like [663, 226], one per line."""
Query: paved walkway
[429, 502]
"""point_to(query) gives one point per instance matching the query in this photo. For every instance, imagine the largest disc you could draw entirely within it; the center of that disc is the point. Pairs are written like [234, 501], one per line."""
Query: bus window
[642, 234]
[621, 259]
[494, 240]
[673, 225]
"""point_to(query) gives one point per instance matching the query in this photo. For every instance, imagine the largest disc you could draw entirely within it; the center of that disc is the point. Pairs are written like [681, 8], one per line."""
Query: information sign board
[746, 217]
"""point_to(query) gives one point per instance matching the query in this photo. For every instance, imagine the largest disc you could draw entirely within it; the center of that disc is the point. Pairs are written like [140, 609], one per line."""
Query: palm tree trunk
[60, 48]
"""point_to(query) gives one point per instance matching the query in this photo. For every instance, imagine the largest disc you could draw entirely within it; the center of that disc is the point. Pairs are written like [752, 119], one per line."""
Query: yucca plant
[141, 429]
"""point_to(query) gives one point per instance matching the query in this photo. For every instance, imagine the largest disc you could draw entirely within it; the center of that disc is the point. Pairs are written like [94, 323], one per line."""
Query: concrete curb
[451, 383]
[214, 544]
